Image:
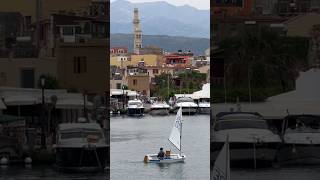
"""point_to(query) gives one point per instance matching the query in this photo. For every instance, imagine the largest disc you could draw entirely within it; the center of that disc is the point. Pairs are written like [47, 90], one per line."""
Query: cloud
[200, 4]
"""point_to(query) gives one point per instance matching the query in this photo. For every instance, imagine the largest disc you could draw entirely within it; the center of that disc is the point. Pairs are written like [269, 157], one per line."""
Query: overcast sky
[200, 4]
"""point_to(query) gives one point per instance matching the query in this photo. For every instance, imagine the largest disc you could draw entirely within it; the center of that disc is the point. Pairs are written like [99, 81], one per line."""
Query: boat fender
[28, 160]
[145, 159]
[259, 142]
[294, 150]
[4, 161]
[168, 153]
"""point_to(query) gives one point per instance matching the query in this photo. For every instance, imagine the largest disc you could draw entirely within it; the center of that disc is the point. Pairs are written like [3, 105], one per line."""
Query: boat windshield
[304, 124]
[238, 124]
[184, 100]
[135, 103]
[80, 134]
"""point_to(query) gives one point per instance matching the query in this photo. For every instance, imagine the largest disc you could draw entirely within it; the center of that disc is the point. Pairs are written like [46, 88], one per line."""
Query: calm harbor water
[132, 138]
[289, 173]
[17, 172]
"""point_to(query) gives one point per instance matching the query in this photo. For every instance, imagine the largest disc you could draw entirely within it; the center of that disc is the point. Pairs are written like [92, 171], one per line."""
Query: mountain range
[160, 18]
[168, 43]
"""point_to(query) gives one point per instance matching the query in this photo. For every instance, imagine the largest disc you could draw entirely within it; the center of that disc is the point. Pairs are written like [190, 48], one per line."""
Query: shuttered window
[79, 64]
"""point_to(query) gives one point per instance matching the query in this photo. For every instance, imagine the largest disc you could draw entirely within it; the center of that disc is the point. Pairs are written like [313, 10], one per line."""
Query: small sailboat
[175, 139]
[221, 169]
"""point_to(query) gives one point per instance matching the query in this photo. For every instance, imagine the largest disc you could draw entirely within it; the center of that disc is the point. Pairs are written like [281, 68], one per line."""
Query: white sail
[175, 136]
[221, 169]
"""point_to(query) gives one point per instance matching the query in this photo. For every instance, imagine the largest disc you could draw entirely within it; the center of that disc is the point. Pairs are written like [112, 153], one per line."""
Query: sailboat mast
[180, 131]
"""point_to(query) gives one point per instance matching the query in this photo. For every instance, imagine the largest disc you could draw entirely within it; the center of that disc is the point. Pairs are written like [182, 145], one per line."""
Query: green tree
[265, 59]
[50, 82]
[191, 81]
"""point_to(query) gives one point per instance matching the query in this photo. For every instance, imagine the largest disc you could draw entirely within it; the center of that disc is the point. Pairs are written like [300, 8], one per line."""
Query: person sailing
[161, 154]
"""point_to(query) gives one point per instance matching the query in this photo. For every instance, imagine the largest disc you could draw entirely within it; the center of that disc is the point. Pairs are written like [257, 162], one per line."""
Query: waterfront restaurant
[59, 107]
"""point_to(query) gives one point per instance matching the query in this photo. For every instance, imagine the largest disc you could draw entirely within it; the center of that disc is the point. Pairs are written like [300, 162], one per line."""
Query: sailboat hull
[173, 158]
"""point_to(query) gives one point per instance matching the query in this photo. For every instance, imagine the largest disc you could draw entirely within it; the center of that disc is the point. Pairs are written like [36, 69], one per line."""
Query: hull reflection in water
[301, 140]
[89, 159]
[81, 147]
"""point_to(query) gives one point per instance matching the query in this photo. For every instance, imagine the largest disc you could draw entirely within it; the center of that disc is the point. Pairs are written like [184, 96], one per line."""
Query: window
[3, 79]
[215, 27]
[83, 134]
[67, 31]
[78, 30]
[118, 85]
[135, 82]
[153, 80]
[79, 64]
[27, 78]
[155, 71]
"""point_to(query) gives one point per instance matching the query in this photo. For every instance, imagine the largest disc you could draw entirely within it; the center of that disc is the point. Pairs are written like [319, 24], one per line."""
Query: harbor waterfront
[44, 172]
[132, 138]
[292, 173]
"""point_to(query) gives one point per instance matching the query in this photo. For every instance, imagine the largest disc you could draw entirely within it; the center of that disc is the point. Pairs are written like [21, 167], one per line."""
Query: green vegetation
[185, 82]
[269, 61]
[50, 82]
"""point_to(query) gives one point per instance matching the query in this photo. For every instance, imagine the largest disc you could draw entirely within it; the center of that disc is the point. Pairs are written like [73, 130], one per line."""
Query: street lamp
[43, 83]
[84, 104]
[43, 137]
[123, 97]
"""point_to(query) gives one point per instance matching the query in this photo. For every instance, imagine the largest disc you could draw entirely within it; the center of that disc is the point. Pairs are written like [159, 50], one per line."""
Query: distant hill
[168, 43]
[160, 18]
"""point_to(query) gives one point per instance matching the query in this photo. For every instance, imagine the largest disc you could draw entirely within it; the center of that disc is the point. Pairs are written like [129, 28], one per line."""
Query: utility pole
[43, 135]
[168, 86]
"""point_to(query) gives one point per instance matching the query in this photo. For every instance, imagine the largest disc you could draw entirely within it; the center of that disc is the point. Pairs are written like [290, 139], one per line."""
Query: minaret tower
[137, 32]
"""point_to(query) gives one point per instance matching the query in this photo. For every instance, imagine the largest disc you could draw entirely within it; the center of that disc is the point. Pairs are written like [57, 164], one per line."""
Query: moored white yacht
[187, 104]
[135, 107]
[204, 107]
[159, 108]
[301, 140]
[250, 137]
[81, 147]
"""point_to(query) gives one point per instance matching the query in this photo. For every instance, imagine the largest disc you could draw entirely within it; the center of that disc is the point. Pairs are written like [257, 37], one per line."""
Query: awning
[266, 109]
[2, 105]
[305, 99]
[72, 104]
[21, 97]
[183, 95]
[117, 92]
[20, 100]
[9, 118]
[204, 93]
